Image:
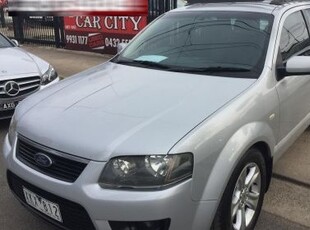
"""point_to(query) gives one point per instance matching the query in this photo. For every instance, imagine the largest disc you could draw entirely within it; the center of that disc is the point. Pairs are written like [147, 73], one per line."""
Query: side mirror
[121, 46]
[16, 43]
[298, 65]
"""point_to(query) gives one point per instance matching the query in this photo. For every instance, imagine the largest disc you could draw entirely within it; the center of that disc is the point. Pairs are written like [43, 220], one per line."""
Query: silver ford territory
[179, 131]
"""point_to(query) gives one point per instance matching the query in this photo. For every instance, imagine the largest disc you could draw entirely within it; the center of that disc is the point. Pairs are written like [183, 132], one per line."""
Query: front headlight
[12, 131]
[49, 76]
[146, 172]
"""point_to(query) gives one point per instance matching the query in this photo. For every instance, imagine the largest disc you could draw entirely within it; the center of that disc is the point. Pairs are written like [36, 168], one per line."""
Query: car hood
[14, 57]
[122, 110]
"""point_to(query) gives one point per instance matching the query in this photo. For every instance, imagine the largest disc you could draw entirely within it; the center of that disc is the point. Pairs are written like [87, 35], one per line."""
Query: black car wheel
[243, 197]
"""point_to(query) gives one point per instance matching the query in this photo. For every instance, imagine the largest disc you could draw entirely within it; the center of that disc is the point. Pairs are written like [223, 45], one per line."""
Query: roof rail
[219, 1]
[282, 2]
[273, 2]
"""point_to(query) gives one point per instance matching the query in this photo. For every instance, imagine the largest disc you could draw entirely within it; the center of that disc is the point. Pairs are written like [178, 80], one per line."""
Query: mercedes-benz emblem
[11, 88]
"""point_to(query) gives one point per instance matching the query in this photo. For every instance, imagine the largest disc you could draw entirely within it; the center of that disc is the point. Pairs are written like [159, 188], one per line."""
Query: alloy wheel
[246, 196]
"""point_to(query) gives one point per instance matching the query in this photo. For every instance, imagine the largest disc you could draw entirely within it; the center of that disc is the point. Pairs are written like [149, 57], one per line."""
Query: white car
[21, 74]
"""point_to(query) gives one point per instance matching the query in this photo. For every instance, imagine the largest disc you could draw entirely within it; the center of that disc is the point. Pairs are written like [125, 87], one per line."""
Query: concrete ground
[67, 62]
[287, 203]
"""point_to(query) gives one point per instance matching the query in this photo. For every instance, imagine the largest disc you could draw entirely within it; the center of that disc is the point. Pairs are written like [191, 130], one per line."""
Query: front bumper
[104, 206]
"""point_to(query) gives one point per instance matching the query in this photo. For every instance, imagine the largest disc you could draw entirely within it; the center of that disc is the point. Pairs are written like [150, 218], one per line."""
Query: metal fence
[6, 23]
[158, 7]
[45, 30]
[48, 30]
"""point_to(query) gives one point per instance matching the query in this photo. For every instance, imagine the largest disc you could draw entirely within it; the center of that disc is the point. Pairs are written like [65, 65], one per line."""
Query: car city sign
[11, 88]
[94, 25]
[101, 34]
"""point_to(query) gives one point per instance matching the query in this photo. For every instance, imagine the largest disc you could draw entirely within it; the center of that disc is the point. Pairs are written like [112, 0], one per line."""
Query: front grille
[74, 216]
[6, 114]
[26, 85]
[64, 166]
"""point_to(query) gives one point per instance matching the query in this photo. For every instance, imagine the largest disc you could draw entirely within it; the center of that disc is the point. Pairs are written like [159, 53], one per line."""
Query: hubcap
[246, 196]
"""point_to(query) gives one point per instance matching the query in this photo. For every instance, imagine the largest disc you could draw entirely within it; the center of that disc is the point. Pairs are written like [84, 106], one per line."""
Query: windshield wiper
[143, 64]
[217, 69]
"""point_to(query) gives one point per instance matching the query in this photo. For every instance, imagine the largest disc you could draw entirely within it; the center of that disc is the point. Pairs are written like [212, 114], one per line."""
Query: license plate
[8, 106]
[45, 206]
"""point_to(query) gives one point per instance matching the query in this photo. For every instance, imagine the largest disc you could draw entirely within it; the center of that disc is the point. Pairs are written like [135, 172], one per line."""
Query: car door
[293, 91]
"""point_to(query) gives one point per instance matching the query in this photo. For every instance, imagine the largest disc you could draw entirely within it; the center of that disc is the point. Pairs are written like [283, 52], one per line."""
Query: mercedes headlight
[146, 172]
[49, 76]
[12, 131]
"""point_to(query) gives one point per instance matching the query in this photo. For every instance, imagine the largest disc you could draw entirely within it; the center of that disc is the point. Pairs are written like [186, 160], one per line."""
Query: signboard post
[101, 34]
[3, 3]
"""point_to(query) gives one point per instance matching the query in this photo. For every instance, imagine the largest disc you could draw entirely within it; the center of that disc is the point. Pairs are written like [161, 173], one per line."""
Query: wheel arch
[264, 148]
[212, 171]
[210, 185]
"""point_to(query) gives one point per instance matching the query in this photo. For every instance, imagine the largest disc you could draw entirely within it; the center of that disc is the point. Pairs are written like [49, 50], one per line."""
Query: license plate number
[8, 106]
[45, 206]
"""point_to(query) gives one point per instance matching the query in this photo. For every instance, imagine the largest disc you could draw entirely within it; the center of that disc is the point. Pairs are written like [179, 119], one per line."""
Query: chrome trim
[18, 98]
[28, 82]
[53, 151]
[5, 118]
[28, 87]
[35, 82]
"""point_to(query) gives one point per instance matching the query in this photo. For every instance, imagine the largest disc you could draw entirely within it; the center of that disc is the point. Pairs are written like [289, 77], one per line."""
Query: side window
[294, 36]
[307, 17]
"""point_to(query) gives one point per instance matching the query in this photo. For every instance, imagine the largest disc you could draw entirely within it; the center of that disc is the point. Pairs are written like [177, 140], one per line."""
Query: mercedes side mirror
[15, 42]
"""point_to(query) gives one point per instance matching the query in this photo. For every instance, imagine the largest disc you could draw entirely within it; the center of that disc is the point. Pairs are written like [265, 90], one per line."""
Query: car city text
[109, 22]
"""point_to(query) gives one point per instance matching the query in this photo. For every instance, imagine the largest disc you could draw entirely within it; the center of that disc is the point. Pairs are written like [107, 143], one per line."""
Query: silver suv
[179, 131]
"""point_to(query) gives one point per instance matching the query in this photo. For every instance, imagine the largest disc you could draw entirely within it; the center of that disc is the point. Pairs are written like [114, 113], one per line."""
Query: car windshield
[232, 44]
[4, 42]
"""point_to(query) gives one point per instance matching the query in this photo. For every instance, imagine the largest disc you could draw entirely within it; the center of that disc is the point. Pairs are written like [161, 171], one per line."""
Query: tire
[243, 197]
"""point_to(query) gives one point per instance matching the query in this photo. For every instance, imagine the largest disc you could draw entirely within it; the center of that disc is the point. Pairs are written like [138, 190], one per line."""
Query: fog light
[140, 225]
